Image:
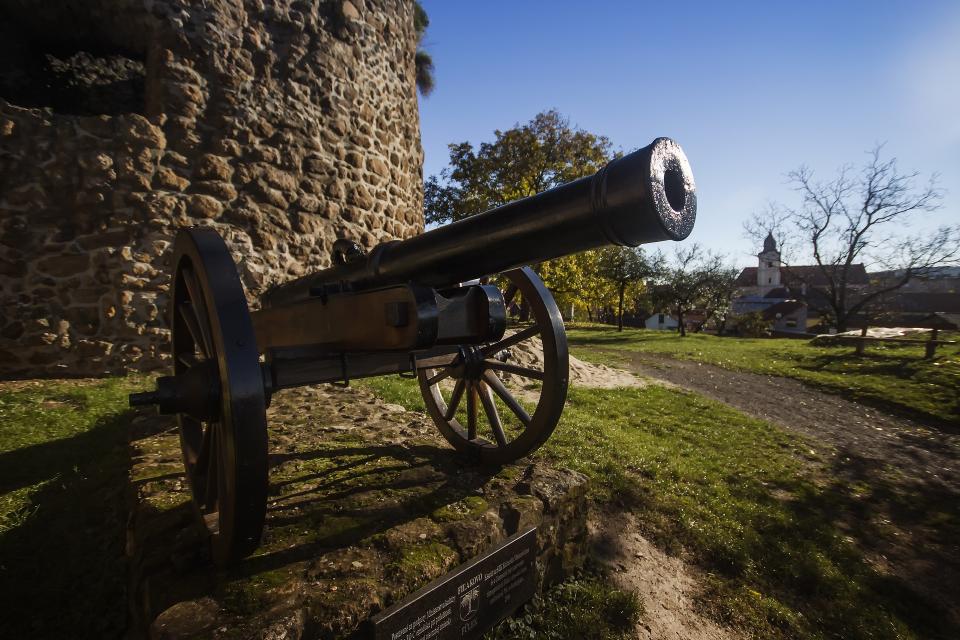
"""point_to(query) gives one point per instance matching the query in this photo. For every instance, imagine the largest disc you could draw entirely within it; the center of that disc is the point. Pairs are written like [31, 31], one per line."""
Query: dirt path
[666, 585]
[848, 427]
[895, 483]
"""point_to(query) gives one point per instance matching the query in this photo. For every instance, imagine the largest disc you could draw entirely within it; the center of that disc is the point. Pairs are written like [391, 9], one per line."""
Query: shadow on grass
[62, 568]
[344, 493]
[941, 388]
[397, 484]
[866, 556]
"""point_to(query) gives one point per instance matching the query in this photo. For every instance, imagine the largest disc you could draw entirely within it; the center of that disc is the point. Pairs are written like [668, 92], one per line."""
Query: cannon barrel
[645, 196]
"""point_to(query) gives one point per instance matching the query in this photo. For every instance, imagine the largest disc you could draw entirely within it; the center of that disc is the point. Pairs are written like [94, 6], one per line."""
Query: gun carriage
[399, 309]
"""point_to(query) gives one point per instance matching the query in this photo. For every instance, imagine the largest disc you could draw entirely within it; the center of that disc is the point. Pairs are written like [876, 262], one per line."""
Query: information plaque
[469, 600]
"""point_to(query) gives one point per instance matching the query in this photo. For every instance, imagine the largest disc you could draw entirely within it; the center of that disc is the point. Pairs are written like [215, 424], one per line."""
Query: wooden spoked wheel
[224, 444]
[481, 416]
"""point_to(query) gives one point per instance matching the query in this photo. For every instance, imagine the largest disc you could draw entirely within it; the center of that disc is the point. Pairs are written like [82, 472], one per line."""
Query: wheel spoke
[495, 383]
[491, 410]
[440, 376]
[200, 310]
[509, 294]
[455, 400]
[513, 368]
[506, 343]
[189, 314]
[190, 359]
[202, 461]
[471, 411]
[213, 472]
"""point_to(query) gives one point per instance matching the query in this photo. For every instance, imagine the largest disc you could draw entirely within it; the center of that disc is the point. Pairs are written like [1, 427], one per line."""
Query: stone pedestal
[367, 505]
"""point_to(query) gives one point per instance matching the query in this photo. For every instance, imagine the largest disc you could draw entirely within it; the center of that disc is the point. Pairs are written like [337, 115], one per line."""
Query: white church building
[761, 289]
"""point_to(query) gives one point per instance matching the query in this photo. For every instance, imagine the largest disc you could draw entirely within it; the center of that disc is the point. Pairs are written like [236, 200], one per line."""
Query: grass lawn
[63, 465]
[892, 377]
[745, 501]
[739, 497]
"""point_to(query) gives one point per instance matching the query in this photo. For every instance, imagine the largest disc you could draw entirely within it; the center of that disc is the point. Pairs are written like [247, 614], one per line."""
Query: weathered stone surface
[265, 121]
[367, 504]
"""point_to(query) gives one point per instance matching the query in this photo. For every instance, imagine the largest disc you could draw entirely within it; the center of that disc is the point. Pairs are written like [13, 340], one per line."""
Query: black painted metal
[225, 447]
[220, 389]
[489, 440]
[645, 196]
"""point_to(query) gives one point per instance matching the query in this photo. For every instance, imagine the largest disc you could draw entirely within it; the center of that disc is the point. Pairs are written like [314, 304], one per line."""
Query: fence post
[931, 346]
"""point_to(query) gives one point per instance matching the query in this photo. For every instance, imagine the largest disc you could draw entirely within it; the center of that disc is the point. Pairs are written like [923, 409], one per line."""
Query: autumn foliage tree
[519, 162]
[625, 266]
[523, 161]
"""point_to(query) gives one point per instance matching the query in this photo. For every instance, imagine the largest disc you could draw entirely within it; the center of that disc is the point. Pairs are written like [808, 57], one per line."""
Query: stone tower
[282, 124]
[768, 266]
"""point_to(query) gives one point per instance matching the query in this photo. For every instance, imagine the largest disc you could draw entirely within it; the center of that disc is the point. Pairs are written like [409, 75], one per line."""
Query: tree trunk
[524, 311]
[623, 288]
[683, 330]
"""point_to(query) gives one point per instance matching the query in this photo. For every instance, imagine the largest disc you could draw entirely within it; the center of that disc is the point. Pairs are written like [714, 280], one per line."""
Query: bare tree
[860, 218]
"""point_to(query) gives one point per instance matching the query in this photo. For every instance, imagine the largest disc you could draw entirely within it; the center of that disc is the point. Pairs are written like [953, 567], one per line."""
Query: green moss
[249, 594]
[167, 500]
[419, 563]
[157, 472]
[468, 507]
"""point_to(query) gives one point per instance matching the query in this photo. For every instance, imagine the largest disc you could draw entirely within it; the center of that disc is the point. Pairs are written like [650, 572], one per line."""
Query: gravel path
[849, 427]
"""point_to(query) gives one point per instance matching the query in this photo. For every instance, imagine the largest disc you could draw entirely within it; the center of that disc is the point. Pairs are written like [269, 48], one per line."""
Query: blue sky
[751, 90]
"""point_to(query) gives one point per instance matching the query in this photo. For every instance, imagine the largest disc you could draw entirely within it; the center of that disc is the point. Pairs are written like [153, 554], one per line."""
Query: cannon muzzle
[645, 196]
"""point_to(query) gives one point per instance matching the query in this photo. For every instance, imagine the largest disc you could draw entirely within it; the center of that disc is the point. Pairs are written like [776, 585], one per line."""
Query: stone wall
[283, 125]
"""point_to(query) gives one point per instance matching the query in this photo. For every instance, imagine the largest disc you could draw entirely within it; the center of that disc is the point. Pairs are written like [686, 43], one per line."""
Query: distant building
[661, 321]
[767, 289]
[795, 298]
[936, 280]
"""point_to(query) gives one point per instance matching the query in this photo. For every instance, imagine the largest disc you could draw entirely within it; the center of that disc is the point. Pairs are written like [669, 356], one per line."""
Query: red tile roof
[811, 275]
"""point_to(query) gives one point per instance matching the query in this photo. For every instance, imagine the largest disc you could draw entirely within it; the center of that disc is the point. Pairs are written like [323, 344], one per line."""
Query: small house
[662, 322]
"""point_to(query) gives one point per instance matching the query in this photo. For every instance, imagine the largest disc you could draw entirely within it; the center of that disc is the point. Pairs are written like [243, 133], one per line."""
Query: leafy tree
[574, 281]
[752, 325]
[686, 283]
[717, 295]
[520, 162]
[624, 266]
[859, 218]
[422, 59]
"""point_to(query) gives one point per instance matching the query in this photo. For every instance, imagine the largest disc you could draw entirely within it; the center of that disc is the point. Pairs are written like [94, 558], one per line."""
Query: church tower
[768, 267]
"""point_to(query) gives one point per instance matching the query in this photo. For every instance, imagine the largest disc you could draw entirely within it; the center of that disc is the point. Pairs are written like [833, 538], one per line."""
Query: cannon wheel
[225, 457]
[476, 374]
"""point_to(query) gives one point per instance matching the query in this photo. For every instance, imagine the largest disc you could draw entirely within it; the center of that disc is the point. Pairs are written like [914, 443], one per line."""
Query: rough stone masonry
[283, 124]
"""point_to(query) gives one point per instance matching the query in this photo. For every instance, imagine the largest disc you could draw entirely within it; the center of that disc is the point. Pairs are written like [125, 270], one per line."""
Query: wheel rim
[479, 414]
[225, 457]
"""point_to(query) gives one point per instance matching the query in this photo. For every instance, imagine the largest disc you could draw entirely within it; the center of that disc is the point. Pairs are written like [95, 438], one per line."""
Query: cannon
[405, 307]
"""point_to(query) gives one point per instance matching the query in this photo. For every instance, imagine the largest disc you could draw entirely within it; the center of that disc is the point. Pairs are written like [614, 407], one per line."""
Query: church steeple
[768, 266]
[769, 244]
